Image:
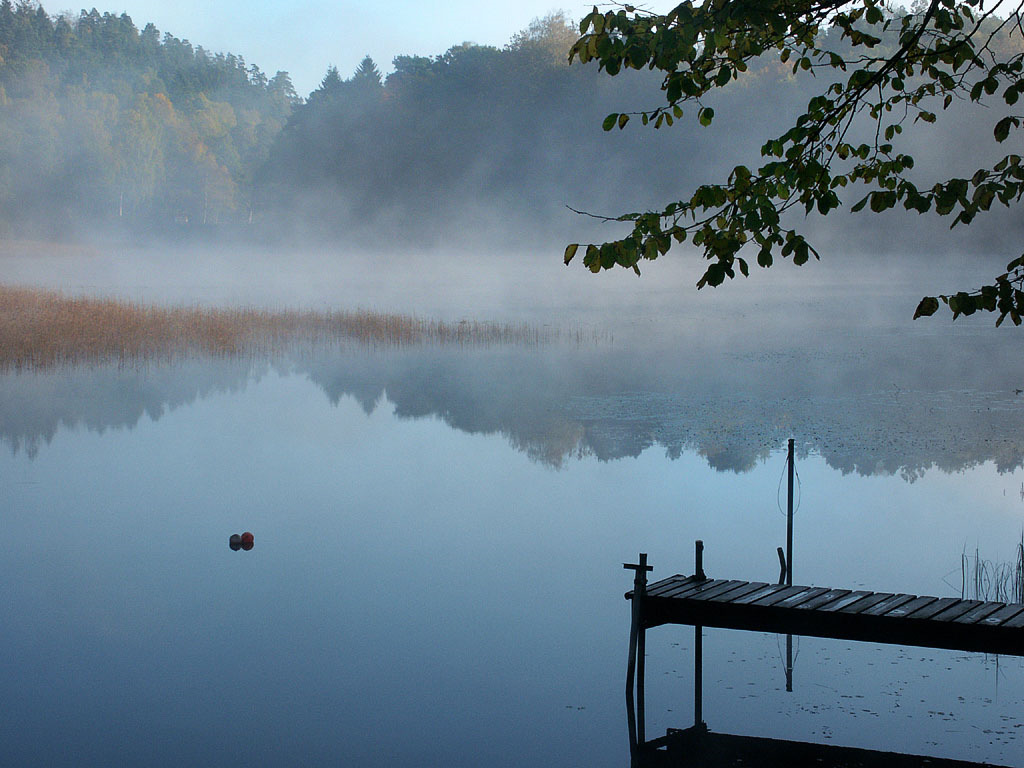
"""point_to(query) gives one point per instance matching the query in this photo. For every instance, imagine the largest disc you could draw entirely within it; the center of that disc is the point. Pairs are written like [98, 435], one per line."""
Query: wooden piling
[637, 649]
[789, 518]
[698, 644]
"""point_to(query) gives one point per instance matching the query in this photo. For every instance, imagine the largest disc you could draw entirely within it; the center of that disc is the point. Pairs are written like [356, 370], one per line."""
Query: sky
[304, 37]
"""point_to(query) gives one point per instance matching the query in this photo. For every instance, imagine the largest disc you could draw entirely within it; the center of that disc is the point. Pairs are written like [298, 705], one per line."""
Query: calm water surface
[439, 531]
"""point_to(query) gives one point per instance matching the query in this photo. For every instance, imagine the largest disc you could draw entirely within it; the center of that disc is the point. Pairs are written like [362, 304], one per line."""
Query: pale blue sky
[305, 36]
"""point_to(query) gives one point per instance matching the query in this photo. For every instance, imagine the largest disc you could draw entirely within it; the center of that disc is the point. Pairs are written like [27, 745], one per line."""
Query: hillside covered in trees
[101, 121]
[106, 125]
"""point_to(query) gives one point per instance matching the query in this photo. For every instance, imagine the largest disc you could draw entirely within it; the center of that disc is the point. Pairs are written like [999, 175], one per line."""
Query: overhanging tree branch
[704, 46]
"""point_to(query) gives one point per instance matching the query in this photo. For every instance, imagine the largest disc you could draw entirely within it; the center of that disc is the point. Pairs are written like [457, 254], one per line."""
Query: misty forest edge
[104, 126]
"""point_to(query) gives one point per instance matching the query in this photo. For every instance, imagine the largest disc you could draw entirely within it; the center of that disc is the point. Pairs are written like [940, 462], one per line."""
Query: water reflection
[392, 536]
[557, 403]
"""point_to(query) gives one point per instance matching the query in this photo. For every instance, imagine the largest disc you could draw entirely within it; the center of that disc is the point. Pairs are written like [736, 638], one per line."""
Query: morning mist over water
[340, 322]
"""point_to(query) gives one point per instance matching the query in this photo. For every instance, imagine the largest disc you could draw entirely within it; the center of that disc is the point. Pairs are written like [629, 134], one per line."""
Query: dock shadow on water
[697, 747]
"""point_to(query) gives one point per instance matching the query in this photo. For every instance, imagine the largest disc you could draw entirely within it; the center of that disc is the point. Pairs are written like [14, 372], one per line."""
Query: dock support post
[789, 519]
[789, 561]
[698, 645]
[637, 649]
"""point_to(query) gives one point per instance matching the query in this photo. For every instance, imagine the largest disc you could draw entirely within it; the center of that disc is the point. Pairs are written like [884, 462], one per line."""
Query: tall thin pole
[789, 519]
[789, 563]
[698, 646]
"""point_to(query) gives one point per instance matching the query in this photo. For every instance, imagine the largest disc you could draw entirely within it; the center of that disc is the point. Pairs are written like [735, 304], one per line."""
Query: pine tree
[367, 73]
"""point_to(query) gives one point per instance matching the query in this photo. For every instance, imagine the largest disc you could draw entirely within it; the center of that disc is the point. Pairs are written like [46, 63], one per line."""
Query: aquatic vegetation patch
[40, 329]
[989, 580]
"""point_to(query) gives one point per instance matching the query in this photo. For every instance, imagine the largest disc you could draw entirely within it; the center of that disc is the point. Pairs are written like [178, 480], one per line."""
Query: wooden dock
[845, 614]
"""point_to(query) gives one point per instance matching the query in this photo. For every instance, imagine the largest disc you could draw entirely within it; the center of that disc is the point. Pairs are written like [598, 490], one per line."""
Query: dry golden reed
[40, 328]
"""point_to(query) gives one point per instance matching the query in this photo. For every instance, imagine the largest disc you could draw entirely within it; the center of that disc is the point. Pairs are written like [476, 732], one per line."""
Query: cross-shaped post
[641, 569]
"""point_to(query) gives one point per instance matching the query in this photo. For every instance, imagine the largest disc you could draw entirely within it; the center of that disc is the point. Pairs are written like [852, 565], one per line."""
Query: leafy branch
[894, 69]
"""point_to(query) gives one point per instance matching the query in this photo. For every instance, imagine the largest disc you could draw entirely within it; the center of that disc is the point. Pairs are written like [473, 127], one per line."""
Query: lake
[440, 529]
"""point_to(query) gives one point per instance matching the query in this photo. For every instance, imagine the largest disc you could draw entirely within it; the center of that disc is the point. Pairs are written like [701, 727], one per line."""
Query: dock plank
[828, 597]
[957, 610]
[1003, 615]
[794, 600]
[979, 613]
[914, 605]
[665, 584]
[683, 590]
[870, 601]
[760, 594]
[1016, 622]
[721, 587]
[738, 593]
[888, 605]
[936, 606]
[778, 597]
[843, 602]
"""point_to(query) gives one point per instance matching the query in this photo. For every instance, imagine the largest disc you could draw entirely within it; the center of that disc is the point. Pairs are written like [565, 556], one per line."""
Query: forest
[108, 127]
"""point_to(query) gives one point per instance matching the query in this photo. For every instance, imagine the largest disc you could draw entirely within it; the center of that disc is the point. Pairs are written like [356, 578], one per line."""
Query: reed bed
[40, 329]
[987, 580]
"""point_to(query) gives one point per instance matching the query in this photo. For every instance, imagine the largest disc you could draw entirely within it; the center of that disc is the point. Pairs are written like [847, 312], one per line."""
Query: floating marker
[235, 542]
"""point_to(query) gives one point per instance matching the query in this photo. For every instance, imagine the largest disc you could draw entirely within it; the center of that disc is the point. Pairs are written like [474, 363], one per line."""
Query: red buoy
[248, 538]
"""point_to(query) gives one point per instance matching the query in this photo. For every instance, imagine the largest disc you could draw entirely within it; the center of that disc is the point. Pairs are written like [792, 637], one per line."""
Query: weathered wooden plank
[719, 588]
[751, 586]
[979, 613]
[850, 599]
[665, 584]
[934, 607]
[1003, 615]
[908, 608]
[956, 611]
[690, 587]
[1014, 623]
[779, 596]
[830, 596]
[761, 593]
[885, 606]
[867, 602]
[794, 600]
[713, 585]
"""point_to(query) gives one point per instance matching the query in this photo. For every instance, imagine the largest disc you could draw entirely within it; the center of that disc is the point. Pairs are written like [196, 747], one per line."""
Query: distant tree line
[101, 122]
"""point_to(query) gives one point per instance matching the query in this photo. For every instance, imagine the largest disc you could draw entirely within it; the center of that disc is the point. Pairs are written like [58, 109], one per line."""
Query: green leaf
[623, 119]
[1002, 129]
[705, 116]
[929, 306]
[609, 122]
[570, 251]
